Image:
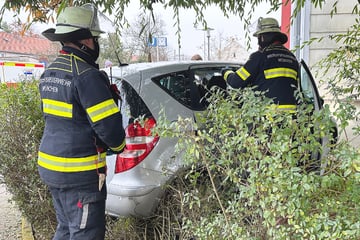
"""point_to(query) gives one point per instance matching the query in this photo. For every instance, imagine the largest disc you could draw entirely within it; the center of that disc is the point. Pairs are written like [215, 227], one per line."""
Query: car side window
[180, 86]
[189, 87]
[177, 85]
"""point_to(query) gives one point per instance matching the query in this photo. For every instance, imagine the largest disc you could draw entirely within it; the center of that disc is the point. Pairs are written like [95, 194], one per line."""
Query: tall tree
[138, 36]
[112, 50]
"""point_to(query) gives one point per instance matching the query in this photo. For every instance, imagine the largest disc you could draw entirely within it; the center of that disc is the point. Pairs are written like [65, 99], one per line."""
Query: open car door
[308, 87]
[311, 96]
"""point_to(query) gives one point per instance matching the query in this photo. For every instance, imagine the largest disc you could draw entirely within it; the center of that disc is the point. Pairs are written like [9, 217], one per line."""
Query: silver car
[136, 176]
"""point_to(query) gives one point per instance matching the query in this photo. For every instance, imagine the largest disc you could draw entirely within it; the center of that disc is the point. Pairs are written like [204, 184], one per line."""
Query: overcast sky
[192, 40]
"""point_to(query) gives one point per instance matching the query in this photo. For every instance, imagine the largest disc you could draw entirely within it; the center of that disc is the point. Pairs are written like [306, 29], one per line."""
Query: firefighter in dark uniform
[272, 69]
[82, 122]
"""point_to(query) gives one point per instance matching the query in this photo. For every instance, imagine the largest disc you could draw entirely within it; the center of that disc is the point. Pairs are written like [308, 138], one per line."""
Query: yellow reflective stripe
[243, 73]
[289, 108]
[226, 74]
[119, 148]
[57, 108]
[62, 164]
[280, 72]
[102, 110]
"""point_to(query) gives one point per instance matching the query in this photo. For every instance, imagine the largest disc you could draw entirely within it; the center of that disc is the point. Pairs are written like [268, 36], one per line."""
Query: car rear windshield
[131, 104]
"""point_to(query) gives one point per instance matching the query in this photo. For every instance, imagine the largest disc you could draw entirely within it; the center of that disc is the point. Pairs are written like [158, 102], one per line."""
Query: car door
[311, 95]
[308, 87]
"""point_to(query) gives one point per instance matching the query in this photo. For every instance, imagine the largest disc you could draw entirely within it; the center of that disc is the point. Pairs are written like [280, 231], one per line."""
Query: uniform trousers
[80, 212]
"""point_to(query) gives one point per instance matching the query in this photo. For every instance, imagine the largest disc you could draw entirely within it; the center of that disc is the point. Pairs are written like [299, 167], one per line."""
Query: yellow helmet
[75, 23]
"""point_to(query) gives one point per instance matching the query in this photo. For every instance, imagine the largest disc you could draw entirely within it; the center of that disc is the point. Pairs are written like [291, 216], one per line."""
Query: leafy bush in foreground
[20, 134]
[261, 174]
[247, 175]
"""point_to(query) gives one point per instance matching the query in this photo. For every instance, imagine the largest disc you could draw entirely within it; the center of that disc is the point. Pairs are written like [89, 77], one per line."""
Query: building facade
[17, 47]
[321, 23]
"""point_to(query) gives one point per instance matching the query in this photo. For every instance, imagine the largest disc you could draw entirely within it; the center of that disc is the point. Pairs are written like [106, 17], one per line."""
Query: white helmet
[75, 23]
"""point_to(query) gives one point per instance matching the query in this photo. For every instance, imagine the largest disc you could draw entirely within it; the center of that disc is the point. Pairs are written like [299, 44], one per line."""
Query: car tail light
[139, 143]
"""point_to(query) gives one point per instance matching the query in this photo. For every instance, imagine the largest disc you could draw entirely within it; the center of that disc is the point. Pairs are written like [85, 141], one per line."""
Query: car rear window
[131, 105]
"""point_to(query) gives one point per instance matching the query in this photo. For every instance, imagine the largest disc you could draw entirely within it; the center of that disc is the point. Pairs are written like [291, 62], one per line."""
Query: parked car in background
[136, 176]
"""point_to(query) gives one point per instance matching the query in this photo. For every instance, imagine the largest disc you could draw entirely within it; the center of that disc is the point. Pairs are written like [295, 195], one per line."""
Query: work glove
[225, 72]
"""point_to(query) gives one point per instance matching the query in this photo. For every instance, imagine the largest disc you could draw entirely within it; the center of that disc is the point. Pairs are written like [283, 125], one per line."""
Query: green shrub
[20, 134]
[241, 180]
[259, 183]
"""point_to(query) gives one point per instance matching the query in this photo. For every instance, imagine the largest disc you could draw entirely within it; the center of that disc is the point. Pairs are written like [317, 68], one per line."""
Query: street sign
[153, 42]
[158, 42]
[162, 41]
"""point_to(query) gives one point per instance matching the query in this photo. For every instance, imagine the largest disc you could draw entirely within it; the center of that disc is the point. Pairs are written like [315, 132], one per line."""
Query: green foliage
[253, 174]
[241, 182]
[20, 133]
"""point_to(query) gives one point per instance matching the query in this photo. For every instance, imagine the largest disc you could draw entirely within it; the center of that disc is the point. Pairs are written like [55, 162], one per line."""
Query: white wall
[315, 23]
[323, 25]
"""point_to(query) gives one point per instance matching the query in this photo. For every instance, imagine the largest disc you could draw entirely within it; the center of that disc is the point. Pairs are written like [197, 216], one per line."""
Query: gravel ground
[10, 216]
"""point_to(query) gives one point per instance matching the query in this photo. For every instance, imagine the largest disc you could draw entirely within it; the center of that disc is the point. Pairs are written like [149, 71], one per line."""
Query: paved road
[10, 216]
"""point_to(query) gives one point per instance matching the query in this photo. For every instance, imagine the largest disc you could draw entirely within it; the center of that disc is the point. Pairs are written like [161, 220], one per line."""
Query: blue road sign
[153, 42]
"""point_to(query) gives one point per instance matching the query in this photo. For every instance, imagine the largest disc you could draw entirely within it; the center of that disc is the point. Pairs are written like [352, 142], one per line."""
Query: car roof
[121, 71]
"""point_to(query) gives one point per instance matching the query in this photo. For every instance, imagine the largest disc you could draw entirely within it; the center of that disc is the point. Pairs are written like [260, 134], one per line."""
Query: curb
[26, 230]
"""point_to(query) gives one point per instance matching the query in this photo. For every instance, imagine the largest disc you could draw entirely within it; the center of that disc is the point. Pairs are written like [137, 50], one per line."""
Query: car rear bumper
[134, 202]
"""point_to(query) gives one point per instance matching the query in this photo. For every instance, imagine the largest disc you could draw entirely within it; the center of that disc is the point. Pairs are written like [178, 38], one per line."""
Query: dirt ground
[10, 216]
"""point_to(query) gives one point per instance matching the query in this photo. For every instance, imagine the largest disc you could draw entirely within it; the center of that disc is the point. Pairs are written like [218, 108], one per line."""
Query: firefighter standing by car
[272, 69]
[82, 121]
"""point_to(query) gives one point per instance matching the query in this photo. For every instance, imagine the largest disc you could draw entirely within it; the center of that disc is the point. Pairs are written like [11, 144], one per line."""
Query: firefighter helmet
[75, 23]
[269, 25]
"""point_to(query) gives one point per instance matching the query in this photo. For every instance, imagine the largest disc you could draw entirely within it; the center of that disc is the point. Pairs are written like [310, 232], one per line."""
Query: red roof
[33, 45]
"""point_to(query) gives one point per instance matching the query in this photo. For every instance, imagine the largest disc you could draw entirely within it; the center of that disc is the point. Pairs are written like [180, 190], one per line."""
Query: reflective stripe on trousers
[80, 212]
